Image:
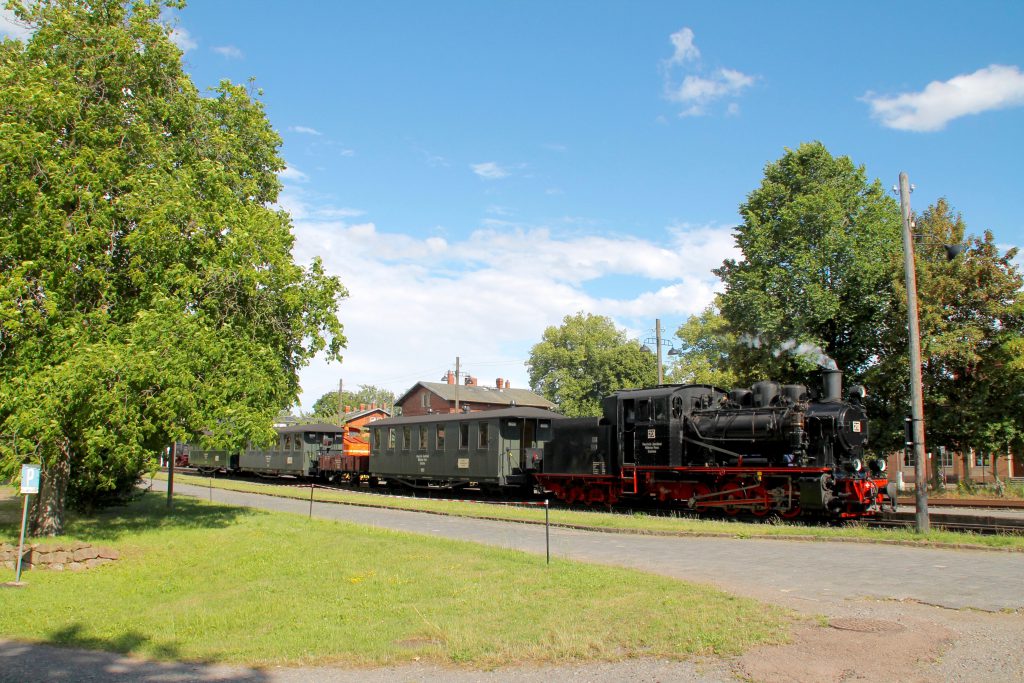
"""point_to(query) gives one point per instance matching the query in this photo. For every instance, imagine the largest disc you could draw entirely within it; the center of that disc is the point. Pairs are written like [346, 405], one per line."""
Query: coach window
[286, 442]
[463, 436]
[483, 434]
[423, 437]
[406, 438]
[440, 437]
[391, 438]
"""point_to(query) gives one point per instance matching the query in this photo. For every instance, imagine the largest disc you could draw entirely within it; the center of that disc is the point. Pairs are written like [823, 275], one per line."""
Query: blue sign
[30, 478]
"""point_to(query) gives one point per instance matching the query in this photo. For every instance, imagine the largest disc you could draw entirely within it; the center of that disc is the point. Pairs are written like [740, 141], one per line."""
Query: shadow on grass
[149, 512]
[71, 656]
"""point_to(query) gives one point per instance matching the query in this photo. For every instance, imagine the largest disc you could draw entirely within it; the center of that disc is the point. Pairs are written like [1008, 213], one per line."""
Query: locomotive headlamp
[856, 465]
[878, 465]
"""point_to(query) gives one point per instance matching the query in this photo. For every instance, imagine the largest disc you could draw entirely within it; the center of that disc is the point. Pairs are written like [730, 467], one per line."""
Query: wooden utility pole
[916, 385]
[340, 408]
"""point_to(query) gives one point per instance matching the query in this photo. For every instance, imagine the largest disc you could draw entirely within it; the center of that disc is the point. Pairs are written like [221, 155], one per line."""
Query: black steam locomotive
[769, 449]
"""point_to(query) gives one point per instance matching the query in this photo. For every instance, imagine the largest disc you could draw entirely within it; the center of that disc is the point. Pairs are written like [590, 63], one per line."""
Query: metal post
[170, 477]
[457, 372]
[916, 387]
[312, 487]
[547, 530]
[657, 336]
[21, 543]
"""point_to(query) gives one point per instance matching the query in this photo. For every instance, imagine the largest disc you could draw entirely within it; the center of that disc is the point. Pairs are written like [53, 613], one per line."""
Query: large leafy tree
[972, 326]
[818, 242]
[147, 289]
[584, 359]
[706, 344]
[326, 407]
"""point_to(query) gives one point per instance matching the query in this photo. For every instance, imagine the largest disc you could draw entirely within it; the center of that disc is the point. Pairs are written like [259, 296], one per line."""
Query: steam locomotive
[771, 449]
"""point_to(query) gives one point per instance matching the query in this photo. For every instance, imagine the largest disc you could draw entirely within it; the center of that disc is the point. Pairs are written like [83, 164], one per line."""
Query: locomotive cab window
[643, 410]
[660, 409]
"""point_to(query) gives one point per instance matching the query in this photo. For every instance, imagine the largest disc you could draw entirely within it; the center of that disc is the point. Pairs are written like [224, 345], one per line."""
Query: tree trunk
[48, 509]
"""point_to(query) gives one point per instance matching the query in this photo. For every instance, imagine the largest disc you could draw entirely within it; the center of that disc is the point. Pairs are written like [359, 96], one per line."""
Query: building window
[980, 459]
[945, 457]
[406, 438]
[908, 457]
[463, 436]
[481, 430]
[423, 437]
[425, 399]
[440, 437]
[391, 438]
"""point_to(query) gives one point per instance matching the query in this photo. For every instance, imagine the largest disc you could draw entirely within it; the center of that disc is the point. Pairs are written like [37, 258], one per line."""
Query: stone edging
[58, 557]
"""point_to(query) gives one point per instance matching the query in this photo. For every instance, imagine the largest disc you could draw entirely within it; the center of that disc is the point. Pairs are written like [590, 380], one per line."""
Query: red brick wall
[413, 403]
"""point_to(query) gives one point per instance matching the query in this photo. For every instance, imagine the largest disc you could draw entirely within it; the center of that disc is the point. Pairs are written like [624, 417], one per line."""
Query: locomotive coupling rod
[692, 502]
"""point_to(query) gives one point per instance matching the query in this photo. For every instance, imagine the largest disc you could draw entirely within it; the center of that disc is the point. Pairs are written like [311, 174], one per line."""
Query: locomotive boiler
[767, 449]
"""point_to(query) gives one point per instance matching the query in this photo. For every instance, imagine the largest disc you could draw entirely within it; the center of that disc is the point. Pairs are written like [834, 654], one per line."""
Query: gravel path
[895, 612]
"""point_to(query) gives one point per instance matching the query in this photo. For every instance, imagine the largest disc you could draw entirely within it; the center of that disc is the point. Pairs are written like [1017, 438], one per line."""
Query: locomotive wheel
[698, 491]
[731, 492]
[791, 513]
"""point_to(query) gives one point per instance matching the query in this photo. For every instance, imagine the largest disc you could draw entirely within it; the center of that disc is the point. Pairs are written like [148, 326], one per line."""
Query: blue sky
[475, 171]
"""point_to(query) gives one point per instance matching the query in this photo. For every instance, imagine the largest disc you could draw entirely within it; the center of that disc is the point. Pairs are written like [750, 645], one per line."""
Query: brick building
[426, 398]
[976, 466]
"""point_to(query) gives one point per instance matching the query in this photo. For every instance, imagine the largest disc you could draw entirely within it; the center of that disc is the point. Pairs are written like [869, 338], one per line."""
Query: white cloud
[489, 170]
[11, 27]
[293, 174]
[229, 52]
[305, 129]
[698, 89]
[994, 87]
[183, 39]
[417, 302]
[685, 50]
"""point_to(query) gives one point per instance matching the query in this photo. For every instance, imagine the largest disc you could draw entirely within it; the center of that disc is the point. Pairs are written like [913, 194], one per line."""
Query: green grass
[637, 523]
[214, 583]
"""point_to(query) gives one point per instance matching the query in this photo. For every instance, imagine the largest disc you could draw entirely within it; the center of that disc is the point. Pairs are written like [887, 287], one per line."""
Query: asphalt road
[785, 571]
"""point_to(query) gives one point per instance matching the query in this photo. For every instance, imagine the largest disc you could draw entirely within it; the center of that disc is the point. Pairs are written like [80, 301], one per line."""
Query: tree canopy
[972, 324]
[819, 245]
[706, 343]
[326, 407]
[147, 288]
[583, 360]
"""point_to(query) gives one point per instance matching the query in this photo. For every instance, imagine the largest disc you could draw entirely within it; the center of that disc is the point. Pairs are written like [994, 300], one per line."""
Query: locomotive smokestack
[833, 384]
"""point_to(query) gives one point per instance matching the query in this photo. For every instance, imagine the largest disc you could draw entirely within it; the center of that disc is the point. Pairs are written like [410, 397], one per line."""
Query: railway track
[981, 526]
[999, 503]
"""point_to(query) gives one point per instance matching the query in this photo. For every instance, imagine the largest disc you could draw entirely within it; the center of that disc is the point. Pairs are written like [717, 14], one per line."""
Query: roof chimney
[373, 406]
[348, 409]
[500, 383]
[507, 384]
[362, 406]
[451, 377]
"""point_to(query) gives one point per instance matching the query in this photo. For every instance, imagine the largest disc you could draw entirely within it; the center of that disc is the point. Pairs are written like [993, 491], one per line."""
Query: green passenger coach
[496, 449]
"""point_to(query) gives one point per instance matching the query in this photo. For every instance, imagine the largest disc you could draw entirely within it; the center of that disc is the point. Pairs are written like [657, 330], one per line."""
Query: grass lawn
[640, 523]
[214, 583]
